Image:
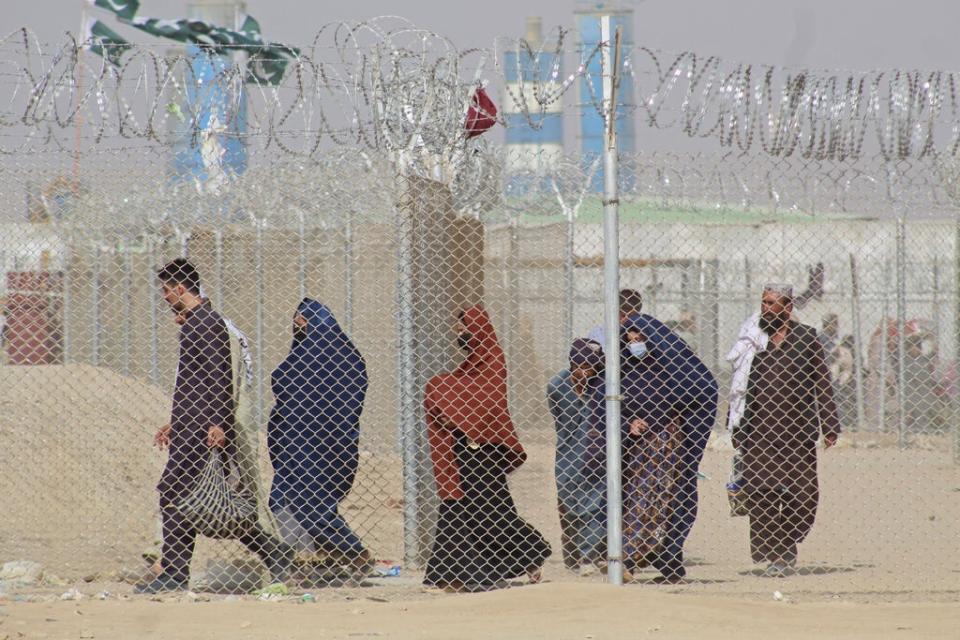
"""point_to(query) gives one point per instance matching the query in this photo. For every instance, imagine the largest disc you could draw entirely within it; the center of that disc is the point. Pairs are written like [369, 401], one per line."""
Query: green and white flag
[267, 61]
[124, 9]
[105, 42]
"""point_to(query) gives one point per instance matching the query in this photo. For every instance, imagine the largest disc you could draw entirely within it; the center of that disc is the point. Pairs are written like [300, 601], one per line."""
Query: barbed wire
[814, 114]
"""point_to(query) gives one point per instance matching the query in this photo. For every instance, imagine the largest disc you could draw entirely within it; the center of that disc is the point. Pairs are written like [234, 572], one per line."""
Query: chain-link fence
[387, 331]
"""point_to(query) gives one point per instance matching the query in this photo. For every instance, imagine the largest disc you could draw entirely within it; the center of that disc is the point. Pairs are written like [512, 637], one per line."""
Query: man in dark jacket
[202, 418]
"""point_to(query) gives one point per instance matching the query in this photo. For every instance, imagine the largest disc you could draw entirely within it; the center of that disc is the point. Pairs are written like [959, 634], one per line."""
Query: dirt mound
[78, 468]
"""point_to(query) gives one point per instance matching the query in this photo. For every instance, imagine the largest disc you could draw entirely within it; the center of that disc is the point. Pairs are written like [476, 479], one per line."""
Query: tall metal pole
[956, 342]
[218, 266]
[302, 254]
[408, 436]
[261, 292]
[348, 250]
[154, 315]
[884, 349]
[569, 274]
[127, 304]
[901, 331]
[611, 302]
[857, 338]
[95, 308]
[67, 311]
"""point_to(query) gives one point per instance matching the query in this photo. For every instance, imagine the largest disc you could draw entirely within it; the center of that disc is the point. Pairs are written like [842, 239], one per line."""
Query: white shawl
[750, 342]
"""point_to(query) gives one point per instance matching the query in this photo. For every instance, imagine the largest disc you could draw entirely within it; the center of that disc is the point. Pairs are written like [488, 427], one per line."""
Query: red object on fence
[481, 115]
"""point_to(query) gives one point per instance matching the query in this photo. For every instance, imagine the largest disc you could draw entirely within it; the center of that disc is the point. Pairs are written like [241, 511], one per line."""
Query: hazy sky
[856, 34]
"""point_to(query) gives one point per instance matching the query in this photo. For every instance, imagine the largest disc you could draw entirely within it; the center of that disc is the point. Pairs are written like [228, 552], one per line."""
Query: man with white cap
[787, 405]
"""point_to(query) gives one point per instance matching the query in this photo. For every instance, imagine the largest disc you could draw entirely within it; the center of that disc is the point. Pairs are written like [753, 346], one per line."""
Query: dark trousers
[695, 430]
[323, 522]
[179, 540]
[583, 537]
[779, 520]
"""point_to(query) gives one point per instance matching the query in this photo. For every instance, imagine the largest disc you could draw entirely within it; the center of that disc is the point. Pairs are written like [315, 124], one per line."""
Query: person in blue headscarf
[581, 495]
[649, 430]
[692, 392]
[314, 431]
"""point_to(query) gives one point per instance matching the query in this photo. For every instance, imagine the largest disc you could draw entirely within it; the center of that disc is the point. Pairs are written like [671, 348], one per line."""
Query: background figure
[829, 336]
[630, 303]
[686, 328]
[920, 397]
[203, 417]
[480, 538]
[842, 371]
[314, 431]
[789, 402]
[580, 495]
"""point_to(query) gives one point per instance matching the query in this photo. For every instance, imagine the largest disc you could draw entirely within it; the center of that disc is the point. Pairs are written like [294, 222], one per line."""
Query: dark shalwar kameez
[203, 397]
[789, 404]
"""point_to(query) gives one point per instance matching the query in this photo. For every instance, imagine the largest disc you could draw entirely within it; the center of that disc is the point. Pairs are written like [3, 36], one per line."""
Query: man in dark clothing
[789, 404]
[203, 417]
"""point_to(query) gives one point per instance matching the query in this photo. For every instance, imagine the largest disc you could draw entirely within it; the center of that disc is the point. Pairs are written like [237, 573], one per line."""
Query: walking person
[692, 392]
[788, 404]
[480, 539]
[314, 432]
[203, 417]
[650, 461]
[581, 495]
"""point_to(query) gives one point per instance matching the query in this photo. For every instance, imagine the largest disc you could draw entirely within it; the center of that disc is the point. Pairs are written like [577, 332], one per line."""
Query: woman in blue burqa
[648, 437]
[314, 432]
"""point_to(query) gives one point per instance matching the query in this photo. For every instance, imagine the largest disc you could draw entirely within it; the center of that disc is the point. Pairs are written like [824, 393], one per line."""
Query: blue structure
[532, 151]
[219, 111]
[591, 86]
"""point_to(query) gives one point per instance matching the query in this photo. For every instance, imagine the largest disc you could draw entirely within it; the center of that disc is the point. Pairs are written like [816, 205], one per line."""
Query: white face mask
[638, 349]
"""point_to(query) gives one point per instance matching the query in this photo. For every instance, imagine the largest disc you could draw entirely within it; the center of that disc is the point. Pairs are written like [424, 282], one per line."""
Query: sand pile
[78, 467]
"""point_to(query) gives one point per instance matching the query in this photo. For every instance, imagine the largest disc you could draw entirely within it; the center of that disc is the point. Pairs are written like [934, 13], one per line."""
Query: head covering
[586, 352]
[779, 288]
[637, 324]
[473, 400]
[319, 388]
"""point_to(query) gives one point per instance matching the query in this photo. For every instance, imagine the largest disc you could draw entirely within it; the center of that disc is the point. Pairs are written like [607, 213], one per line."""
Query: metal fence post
[154, 316]
[901, 337]
[302, 254]
[884, 349]
[569, 274]
[95, 308]
[127, 304]
[611, 306]
[956, 342]
[348, 250]
[408, 436]
[857, 331]
[65, 312]
[218, 265]
[260, 322]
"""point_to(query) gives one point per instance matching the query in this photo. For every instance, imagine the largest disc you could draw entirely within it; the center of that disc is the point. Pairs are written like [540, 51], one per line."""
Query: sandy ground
[77, 495]
[548, 611]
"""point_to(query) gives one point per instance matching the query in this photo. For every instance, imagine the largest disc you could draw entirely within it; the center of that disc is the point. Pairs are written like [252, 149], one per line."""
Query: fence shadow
[808, 570]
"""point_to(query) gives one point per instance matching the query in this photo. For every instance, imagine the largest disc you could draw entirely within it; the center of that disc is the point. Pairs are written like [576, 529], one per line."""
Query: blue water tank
[591, 86]
[534, 145]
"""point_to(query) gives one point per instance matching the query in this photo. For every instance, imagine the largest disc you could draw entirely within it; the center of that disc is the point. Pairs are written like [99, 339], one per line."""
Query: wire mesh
[387, 328]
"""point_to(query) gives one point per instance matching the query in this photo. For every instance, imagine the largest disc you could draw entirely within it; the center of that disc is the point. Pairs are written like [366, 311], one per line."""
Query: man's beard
[299, 333]
[773, 323]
